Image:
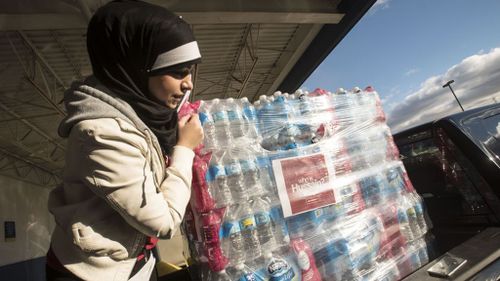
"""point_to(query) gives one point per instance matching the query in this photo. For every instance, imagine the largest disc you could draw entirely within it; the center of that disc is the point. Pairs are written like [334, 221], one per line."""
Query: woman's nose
[187, 83]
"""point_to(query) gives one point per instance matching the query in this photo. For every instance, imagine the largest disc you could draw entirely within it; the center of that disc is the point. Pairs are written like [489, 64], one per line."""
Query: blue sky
[406, 49]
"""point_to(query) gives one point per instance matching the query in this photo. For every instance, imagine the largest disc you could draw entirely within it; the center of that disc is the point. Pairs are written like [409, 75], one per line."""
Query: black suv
[454, 164]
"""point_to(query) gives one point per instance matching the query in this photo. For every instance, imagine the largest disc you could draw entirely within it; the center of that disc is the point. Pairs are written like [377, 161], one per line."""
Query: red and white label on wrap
[304, 183]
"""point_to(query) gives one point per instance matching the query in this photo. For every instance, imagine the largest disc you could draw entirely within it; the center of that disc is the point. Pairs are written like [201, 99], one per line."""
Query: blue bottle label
[247, 165]
[216, 171]
[276, 214]
[392, 175]
[263, 162]
[423, 255]
[233, 169]
[248, 277]
[229, 228]
[219, 116]
[203, 118]
[280, 270]
[402, 216]
[284, 230]
[415, 259]
[249, 112]
[329, 252]
[290, 146]
[233, 115]
[209, 176]
[262, 218]
[418, 209]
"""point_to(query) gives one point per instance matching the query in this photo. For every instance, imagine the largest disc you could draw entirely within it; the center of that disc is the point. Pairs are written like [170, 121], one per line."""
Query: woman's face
[171, 87]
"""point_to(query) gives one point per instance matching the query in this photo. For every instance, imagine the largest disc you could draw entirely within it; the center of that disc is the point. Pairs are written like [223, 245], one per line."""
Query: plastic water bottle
[235, 117]
[422, 252]
[265, 171]
[207, 122]
[249, 111]
[404, 224]
[305, 260]
[266, 116]
[244, 274]
[217, 183]
[305, 107]
[257, 105]
[219, 113]
[232, 238]
[332, 212]
[221, 121]
[219, 276]
[358, 253]
[263, 109]
[408, 204]
[234, 177]
[402, 258]
[279, 268]
[249, 232]
[419, 212]
[250, 172]
[370, 189]
[280, 109]
[304, 224]
[250, 116]
[395, 180]
[330, 253]
[386, 191]
[294, 107]
[341, 91]
[415, 262]
[356, 90]
[386, 270]
[264, 225]
[412, 218]
[280, 228]
[351, 201]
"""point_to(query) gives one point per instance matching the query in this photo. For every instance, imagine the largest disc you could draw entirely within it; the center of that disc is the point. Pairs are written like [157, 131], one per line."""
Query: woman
[118, 195]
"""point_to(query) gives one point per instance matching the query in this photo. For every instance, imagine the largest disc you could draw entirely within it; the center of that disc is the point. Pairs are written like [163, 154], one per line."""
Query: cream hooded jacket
[116, 190]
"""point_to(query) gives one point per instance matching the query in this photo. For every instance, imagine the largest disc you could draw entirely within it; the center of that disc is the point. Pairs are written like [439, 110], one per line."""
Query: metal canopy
[249, 48]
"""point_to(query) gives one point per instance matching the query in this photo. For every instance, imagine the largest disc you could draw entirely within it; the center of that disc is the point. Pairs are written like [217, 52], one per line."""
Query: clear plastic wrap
[304, 186]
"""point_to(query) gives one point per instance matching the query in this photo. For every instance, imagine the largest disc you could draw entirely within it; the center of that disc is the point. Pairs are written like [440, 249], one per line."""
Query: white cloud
[477, 83]
[411, 71]
[379, 5]
[394, 91]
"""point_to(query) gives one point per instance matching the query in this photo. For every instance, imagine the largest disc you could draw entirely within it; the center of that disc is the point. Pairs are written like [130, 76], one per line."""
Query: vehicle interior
[460, 203]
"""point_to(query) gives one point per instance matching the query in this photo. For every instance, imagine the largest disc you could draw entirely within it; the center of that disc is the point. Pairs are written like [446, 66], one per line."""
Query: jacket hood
[91, 100]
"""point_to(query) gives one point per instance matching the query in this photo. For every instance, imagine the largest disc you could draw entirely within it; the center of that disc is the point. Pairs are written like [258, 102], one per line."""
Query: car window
[492, 126]
[437, 170]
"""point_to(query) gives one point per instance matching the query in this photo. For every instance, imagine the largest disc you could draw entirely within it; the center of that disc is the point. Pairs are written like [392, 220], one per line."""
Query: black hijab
[129, 41]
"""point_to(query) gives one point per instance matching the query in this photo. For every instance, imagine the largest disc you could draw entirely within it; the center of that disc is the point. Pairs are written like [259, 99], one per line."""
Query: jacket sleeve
[116, 166]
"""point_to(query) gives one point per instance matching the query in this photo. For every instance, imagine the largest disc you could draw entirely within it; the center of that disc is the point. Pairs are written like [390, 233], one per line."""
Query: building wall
[26, 204]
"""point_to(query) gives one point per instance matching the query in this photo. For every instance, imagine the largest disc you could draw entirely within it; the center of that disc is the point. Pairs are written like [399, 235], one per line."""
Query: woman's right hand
[190, 131]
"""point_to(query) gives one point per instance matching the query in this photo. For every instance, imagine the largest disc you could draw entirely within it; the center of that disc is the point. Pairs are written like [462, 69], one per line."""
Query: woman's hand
[190, 131]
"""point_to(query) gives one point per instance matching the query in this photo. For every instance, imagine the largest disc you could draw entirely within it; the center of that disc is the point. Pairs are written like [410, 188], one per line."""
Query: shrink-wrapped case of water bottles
[302, 186]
